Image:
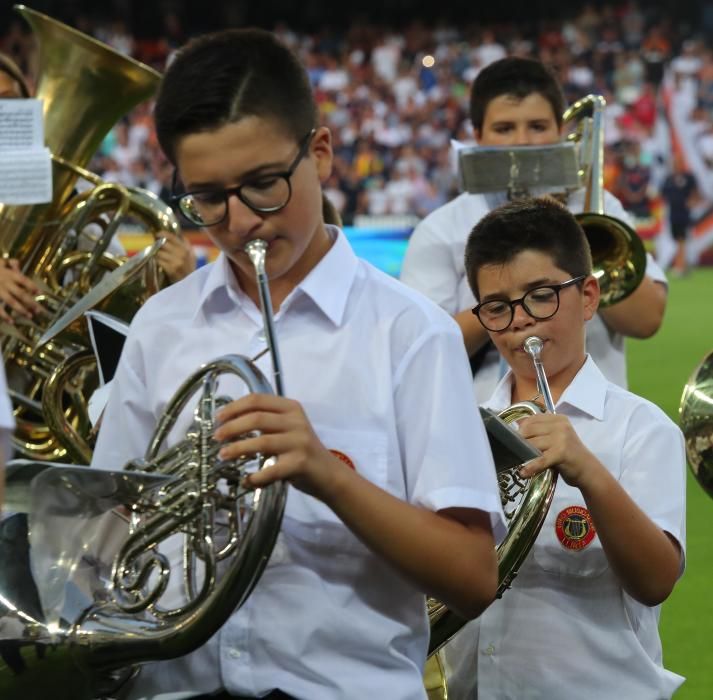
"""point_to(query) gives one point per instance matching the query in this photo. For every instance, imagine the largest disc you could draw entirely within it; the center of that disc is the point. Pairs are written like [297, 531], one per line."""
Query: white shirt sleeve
[653, 439]
[445, 448]
[654, 270]
[429, 266]
[613, 207]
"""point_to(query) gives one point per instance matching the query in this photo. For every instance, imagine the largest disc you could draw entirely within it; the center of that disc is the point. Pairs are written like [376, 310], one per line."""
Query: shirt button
[490, 650]
[234, 654]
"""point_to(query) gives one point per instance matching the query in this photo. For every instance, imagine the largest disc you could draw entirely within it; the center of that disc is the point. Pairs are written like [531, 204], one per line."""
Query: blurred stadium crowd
[395, 99]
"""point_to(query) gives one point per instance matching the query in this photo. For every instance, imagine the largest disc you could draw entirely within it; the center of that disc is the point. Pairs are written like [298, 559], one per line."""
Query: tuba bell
[133, 607]
[85, 87]
[618, 254]
[696, 420]
[525, 504]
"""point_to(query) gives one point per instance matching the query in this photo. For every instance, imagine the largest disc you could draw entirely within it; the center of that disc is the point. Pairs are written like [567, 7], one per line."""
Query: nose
[522, 135]
[242, 219]
[520, 318]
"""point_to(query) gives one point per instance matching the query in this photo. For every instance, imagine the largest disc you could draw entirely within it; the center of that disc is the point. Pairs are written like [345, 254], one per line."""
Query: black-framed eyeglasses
[540, 302]
[265, 194]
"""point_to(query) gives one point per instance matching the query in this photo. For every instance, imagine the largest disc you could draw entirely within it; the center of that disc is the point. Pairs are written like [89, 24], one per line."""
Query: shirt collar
[585, 393]
[220, 277]
[328, 284]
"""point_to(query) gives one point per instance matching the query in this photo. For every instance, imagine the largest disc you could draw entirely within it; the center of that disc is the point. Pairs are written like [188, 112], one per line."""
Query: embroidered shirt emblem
[574, 528]
[345, 458]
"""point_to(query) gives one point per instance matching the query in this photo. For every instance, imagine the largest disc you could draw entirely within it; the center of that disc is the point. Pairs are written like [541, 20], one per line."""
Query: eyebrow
[501, 296]
[260, 170]
[536, 120]
[264, 169]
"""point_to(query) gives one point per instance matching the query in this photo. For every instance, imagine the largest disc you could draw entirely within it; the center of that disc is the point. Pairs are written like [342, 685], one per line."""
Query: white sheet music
[25, 163]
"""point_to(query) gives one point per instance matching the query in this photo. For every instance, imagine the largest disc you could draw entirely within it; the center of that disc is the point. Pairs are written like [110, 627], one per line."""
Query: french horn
[525, 505]
[85, 87]
[123, 612]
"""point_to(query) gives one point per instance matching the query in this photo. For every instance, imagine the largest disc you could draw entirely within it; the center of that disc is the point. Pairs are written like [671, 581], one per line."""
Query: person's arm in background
[641, 314]
[176, 257]
[474, 335]
[17, 292]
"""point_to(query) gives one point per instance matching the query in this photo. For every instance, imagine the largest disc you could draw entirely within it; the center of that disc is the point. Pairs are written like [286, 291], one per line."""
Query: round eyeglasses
[265, 194]
[541, 303]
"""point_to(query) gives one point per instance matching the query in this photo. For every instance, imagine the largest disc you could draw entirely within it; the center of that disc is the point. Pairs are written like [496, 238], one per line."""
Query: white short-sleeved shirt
[382, 375]
[434, 265]
[566, 629]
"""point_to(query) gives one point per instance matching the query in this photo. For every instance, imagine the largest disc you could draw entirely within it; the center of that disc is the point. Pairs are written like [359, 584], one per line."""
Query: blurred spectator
[656, 49]
[680, 192]
[392, 114]
[631, 187]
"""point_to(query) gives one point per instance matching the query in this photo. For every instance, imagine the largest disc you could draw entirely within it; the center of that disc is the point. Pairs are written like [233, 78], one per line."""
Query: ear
[590, 297]
[477, 133]
[321, 149]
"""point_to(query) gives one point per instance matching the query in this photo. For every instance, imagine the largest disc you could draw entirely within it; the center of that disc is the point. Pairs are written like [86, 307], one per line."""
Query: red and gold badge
[345, 458]
[574, 527]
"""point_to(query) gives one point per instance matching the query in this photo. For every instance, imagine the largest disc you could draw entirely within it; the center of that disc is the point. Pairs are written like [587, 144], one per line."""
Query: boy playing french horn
[582, 615]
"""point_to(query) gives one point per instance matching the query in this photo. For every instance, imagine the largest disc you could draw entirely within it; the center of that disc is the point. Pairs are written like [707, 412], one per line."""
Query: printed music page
[25, 163]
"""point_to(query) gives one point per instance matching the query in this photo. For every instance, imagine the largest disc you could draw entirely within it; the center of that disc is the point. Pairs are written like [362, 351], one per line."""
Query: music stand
[518, 170]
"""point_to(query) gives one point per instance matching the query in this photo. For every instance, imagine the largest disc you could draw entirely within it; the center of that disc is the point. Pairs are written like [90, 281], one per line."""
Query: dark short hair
[542, 224]
[220, 78]
[8, 66]
[518, 77]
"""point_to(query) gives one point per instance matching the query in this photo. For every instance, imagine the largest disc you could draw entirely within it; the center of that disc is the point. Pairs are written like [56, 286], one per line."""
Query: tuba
[618, 254]
[85, 88]
[696, 419]
[525, 504]
[122, 611]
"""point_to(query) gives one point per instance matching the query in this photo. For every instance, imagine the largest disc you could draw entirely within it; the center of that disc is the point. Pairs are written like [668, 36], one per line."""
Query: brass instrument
[126, 613]
[618, 254]
[696, 419]
[85, 87]
[525, 504]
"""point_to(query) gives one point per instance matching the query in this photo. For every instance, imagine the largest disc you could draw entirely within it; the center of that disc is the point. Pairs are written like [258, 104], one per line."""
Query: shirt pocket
[568, 543]
[310, 521]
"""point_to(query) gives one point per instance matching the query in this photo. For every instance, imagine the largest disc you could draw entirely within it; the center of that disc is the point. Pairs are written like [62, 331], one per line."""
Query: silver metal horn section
[162, 581]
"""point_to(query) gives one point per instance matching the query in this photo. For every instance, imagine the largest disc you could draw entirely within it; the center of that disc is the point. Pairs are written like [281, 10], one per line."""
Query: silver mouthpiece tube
[533, 347]
[257, 252]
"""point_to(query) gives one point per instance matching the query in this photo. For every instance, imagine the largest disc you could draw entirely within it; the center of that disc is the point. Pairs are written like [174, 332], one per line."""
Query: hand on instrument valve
[17, 292]
[561, 448]
[176, 257]
[286, 434]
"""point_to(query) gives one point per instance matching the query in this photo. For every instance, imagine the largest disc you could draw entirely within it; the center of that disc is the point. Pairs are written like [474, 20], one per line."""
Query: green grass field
[658, 370]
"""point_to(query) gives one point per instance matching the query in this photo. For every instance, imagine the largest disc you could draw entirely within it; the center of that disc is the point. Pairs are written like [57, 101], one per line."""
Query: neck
[282, 283]
[524, 387]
